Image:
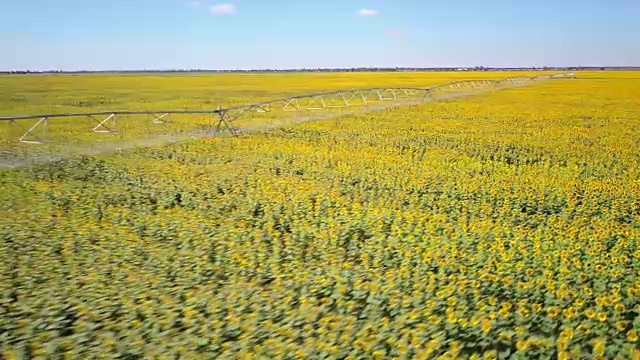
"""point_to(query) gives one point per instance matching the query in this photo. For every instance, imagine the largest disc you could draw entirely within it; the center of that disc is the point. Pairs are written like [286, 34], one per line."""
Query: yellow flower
[602, 316]
[553, 312]
[598, 347]
[402, 348]
[563, 343]
[569, 313]
[583, 276]
[300, 354]
[486, 325]
[529, 272]
[505, 336]
[537, 342]
[567, 333]
[632, 335]
[358, 344]
[522, 345]
[563, 355]
[451, 318]
[621, 325]
[522, 286]
[589, 313]
[491, 355]
[601, 301]
[583, 328]
[455, 346]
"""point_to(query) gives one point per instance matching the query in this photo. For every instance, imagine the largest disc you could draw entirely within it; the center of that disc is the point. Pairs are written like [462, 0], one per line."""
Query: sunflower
[491, 355]
[486, 325]
[615, 273]
[522, 345]
[433, 319]
[379, 355]
[621, 325]
[522, 286]
[553, 311]
[520, 330]
[590, 313]
[598, 347]
[505, 336]
[567, 333]
[583, 328]
[602, 316]
[529, 272]
[569, 313]
[601, 301]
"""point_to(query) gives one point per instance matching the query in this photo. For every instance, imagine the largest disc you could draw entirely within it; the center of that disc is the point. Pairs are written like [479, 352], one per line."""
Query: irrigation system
[226, 119]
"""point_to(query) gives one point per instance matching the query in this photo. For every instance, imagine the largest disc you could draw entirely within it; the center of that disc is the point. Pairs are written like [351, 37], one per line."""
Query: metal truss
[223, 119]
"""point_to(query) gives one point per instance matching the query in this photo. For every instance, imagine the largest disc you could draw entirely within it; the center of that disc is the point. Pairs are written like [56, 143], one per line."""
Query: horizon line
[332, 69]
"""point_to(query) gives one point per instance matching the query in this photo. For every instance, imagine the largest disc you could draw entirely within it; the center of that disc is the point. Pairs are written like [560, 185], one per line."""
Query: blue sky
[244, 34]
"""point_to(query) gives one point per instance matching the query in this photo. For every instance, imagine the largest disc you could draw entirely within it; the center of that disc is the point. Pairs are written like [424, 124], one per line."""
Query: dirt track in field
[12, 161]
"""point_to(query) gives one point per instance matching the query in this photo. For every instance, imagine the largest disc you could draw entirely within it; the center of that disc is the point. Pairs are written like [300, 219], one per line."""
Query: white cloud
[195, 3]
[224, 9]
[368, 12]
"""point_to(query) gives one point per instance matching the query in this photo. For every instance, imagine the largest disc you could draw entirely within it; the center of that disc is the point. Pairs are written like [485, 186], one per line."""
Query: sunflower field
[503, 225]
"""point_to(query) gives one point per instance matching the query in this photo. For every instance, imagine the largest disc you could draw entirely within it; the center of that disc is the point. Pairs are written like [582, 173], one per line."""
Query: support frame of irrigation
[223, 118]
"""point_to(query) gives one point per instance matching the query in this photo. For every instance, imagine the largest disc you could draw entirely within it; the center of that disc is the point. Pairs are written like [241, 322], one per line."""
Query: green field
[60, 94]
[502, 225]
[38, 94]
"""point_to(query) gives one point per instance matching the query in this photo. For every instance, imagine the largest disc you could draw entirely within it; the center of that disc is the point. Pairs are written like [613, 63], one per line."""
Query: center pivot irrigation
[229, 120]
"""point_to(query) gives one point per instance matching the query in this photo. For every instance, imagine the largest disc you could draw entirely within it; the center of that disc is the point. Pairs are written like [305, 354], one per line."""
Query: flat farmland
[500, 225]
[64, 93]
[43, 94]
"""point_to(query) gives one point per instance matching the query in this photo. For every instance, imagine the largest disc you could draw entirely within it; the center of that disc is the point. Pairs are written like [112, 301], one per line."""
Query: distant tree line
[324, 70]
